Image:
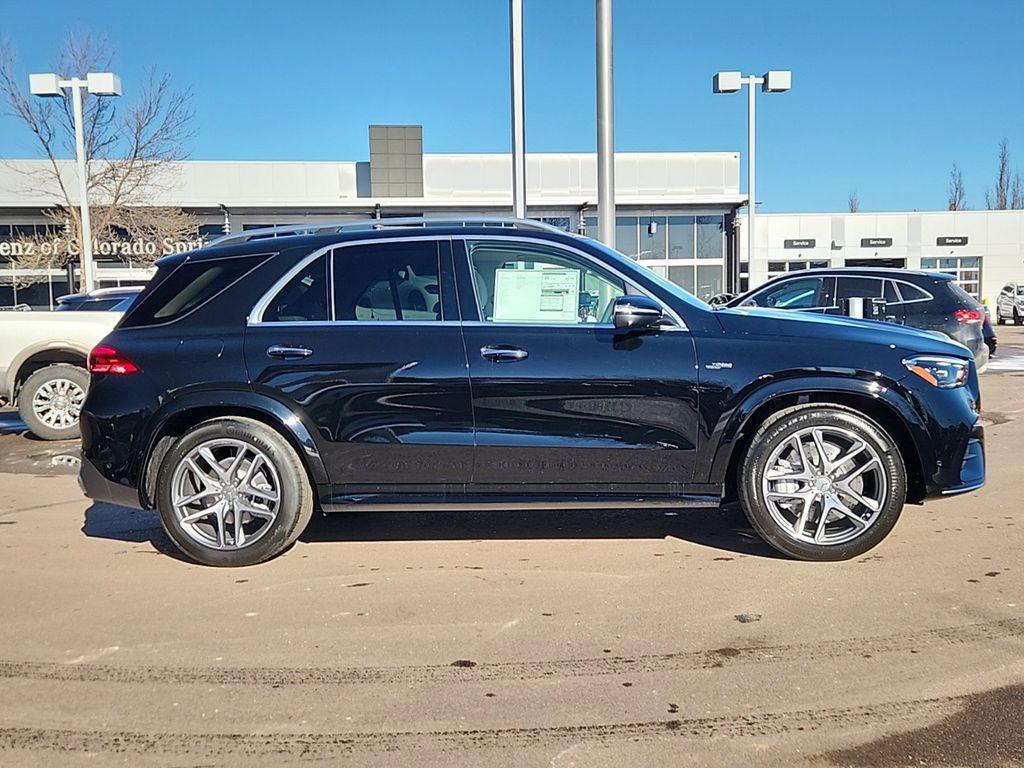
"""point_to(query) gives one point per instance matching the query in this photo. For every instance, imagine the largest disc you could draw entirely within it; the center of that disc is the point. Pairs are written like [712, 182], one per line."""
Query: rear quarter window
[189, 286]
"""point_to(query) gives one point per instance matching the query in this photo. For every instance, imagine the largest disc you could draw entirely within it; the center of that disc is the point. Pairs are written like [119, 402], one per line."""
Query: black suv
[424, 365]
[931, 301]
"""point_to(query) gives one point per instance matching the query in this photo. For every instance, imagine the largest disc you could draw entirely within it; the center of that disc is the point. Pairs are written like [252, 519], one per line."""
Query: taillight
[969, 315]
[105, 359]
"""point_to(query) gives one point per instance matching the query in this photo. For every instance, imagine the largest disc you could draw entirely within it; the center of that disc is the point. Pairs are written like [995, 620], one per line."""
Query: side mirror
[636, 312]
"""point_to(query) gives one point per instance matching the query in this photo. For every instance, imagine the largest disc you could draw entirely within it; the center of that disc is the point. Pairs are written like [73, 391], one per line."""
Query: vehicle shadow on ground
[132, 526]
[725, 529]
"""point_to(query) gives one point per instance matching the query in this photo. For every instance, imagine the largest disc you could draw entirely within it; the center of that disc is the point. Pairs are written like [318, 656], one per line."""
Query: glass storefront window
[966, 271]
[680, 237]
[625, 235]
[652, 247]
[682, 276]
[709, 281]
[709, 237]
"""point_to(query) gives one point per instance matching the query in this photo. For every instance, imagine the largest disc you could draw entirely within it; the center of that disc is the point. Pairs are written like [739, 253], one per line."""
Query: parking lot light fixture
[772, 81]
[50, 85]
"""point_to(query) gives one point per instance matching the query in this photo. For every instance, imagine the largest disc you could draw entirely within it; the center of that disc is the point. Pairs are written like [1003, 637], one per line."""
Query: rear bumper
[98, 488]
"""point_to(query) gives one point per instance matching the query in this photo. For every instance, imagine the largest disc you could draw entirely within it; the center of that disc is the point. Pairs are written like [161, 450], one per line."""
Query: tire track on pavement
[328, 745]
[469, 671]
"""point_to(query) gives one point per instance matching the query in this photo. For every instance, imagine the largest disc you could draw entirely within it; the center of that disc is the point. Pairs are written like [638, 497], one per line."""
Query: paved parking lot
[564, 639]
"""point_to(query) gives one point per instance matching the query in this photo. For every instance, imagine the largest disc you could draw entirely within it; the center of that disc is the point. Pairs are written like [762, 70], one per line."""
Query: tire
[999, 317]
[50, 401]
[1017, 319]
[773, 463]
[275, 496]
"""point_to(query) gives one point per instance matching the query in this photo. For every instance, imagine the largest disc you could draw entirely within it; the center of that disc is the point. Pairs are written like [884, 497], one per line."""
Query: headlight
[941, 372]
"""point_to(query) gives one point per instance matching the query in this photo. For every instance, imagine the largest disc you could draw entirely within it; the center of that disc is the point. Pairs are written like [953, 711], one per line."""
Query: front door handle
[503, 354]
[288, 353]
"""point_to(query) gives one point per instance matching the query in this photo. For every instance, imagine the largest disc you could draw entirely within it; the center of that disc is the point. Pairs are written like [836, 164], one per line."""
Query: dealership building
[677, 212]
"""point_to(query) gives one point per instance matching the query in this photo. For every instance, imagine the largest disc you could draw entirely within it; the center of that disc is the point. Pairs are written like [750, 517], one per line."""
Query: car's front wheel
[233, 492]
[822, 482]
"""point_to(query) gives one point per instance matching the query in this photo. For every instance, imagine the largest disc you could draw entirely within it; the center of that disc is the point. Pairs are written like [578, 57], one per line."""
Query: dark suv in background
[931, 301]
[430, 364]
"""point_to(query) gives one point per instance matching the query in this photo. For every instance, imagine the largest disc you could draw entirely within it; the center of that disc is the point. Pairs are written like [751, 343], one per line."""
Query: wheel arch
[185, 415]
[897, 419]
[38, 356]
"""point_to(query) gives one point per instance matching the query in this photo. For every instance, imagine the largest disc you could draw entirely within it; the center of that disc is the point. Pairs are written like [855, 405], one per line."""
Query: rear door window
[396, 281]
[858, 287]
[304, 298]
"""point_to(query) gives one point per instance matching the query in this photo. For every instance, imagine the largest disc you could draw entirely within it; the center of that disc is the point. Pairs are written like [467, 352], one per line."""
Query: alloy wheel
[824, 485]
[226, 494]
[58, 403]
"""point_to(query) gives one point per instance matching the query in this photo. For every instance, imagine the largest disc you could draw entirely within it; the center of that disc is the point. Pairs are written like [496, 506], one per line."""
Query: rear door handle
[288, 353]
[503, 354]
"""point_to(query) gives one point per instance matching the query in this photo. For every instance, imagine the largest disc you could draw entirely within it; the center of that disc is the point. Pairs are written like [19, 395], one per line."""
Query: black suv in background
[425, 365]
[931, 301]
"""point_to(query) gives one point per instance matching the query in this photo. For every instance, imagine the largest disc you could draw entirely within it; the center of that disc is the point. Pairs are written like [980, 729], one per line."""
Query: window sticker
[536, 295]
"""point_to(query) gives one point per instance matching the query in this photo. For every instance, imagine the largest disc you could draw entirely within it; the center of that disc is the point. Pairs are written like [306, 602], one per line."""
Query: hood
[791, 324]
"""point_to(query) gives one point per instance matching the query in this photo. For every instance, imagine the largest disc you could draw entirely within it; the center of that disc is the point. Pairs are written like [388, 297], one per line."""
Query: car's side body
[457, 406]
[929, 301]
[1010, 303]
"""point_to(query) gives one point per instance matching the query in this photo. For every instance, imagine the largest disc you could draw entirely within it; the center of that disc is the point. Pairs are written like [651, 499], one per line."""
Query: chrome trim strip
[682, 502]
[255, 316]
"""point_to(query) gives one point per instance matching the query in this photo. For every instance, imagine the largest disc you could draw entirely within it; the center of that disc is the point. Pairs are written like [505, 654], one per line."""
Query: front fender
[742, 414]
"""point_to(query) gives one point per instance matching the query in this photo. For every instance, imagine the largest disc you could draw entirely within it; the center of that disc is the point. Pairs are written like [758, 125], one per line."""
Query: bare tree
[1017, 193]
[1000, 199]
[131, 148]
[853, 202]
[957, 195]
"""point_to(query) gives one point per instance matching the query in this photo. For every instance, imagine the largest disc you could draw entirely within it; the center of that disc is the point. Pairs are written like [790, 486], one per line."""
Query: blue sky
[886, 95]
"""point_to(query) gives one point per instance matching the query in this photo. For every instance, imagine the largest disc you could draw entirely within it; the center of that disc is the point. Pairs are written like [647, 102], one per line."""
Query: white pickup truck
[43, 366]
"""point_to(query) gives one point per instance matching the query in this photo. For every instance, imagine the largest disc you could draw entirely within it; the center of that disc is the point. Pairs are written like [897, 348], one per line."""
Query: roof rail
[320, 228]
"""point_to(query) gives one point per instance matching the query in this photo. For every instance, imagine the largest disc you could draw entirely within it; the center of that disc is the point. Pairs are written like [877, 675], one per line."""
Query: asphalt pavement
[509, 638]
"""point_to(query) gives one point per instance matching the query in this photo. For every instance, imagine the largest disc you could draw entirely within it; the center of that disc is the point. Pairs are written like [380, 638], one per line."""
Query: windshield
[651, 275]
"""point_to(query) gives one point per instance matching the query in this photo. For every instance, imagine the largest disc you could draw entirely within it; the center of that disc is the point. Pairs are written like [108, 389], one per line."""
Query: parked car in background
[100, 300]
[43, 366]
[437, 364]
[989, 333]
[1010, 304]
[929, 301]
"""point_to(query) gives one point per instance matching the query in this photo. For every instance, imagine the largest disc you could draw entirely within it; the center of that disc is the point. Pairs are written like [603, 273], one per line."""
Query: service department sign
[875, 242]
[801, 243]
[951, 240]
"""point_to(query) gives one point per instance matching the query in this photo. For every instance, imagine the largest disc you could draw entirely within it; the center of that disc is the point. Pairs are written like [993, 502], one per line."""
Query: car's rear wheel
[50, 401]
[822, 483]
[233, 492]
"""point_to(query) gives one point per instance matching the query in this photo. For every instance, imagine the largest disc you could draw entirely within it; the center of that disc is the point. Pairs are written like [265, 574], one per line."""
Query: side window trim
[631, 287]
[255, 317]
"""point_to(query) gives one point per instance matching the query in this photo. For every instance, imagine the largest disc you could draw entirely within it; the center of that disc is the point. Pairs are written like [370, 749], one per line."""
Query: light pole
[98, 84]
[605, 126]
[515, 26]
[773, 81]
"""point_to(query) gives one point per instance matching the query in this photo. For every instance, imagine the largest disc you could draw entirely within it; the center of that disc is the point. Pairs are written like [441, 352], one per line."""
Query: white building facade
[983, 249]
[675, 210]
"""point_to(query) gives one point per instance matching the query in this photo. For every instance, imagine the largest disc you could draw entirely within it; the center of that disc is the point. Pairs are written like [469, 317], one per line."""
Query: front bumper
[972, 469]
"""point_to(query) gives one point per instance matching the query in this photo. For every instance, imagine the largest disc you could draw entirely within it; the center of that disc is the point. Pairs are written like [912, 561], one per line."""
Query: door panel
[572, 407]
[389, 398]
